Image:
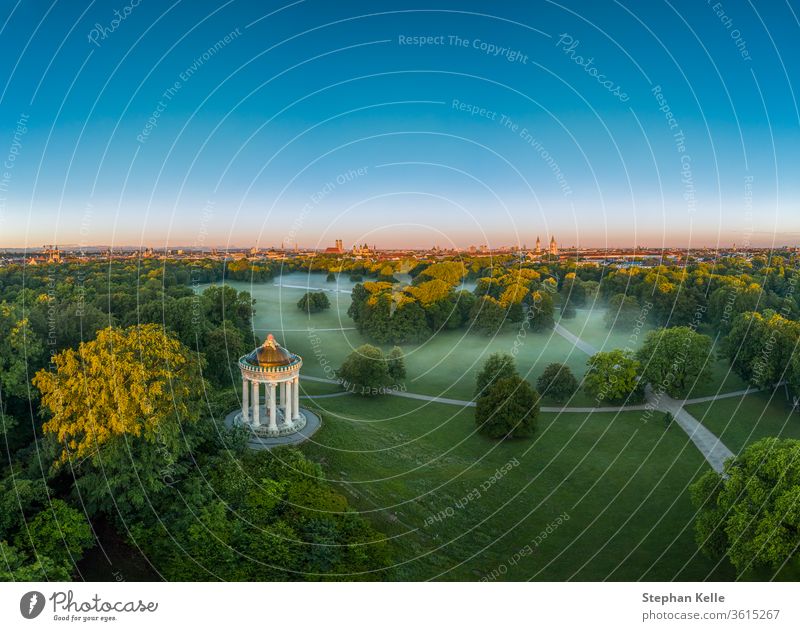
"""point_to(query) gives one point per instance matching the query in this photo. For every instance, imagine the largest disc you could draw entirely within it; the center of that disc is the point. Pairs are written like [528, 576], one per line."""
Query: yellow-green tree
[138, 382]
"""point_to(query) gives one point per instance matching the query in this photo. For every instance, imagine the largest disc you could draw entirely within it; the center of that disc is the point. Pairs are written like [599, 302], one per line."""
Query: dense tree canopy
[266, 517]
[365, 371]
[314, 302]
[557, 382]
[751, 511]
[497, 366]
[623, 312]
[762, 348]
[676, 359]
[137, 382]
[508, 408]
[612, 376]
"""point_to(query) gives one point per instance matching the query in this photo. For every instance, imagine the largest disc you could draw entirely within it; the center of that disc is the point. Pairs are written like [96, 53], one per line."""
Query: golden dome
[270, 354]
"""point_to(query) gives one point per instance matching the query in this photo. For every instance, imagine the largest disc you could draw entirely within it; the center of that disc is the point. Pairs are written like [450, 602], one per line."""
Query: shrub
[557, 382]
[612, 376]
[497, 366]
[396, 365]
[314, 302]
[509, 408]
[365, 371]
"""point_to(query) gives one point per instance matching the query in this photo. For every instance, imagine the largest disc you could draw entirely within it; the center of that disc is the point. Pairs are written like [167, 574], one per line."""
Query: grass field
[741, 421]
[617, 484]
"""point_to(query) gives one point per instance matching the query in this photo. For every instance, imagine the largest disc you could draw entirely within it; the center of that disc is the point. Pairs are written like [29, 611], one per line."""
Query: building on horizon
[364, 250]
[338, 248]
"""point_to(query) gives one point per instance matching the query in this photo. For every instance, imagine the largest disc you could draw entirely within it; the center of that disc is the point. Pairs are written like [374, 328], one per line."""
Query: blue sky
[241, 123]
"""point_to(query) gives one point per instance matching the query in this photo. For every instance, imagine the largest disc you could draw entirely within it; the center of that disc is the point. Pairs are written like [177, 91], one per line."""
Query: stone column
[283, 395]
[256, 404]
[296, 390]
[287, 404]
[245, 400]
[273, 416]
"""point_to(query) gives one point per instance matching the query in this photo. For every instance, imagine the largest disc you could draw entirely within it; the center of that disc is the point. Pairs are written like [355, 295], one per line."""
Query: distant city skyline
[525, 245]
[243, 124]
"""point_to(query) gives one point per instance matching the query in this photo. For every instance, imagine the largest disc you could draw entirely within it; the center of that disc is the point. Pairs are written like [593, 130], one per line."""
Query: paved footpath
[712, 448]
[575, 340]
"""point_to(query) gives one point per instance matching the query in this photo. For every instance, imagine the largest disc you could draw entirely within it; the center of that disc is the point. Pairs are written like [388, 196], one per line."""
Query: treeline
[436, 301]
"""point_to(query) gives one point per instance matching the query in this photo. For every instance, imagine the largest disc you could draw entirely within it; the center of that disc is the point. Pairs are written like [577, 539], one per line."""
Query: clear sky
[399, 123]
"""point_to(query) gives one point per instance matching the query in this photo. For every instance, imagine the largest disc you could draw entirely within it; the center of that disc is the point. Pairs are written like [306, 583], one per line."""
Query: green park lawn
[740, 421]
[617, 484]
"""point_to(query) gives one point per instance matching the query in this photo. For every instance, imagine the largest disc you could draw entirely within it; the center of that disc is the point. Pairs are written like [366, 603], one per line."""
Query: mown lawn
[617, 485]
[741, 421]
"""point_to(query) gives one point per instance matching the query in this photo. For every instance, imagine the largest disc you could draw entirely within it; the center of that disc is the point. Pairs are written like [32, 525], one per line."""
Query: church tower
[538, 246]
[553, 247]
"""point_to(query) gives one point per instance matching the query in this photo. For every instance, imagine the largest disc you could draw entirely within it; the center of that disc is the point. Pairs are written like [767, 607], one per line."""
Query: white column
[273, 416]
[287, 406]
[245, 400]
[296, 390]
[283, 396]
[256, 404]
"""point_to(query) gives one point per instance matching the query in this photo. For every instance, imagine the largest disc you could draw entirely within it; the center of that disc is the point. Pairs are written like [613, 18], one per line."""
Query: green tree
[314, 302]
[497, 366]
[745, 342]
[488, 315]
[305, 528]
[121, 410]
[222, 347]
[365, 371]
[612, 376]
[396, 364]
[508, 408]
[675, 359]
[557, 382]
[224, 303]
[573, 291]
[540, 310]
[20, 350]
[773, 364]
[408, 323]
[58, 532]
[623, 311]
[17, 566]
[751, 511]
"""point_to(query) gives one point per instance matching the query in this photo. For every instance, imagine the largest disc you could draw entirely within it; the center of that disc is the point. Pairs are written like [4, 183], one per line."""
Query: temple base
[263, 430]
